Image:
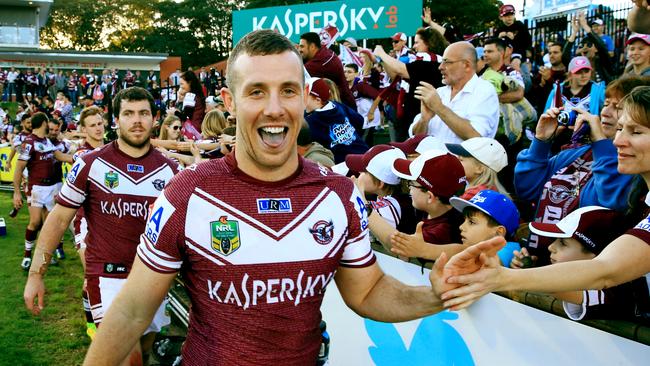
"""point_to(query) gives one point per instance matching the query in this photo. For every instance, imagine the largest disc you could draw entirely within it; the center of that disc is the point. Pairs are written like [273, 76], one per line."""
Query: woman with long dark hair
[193, 108]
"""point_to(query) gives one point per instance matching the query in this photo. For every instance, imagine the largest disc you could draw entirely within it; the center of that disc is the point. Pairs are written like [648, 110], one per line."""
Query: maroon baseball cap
[593, 226]
[377, 161]
[506, 9]
[438, 171]
[399, 36]
[419, 144]
[319, 88]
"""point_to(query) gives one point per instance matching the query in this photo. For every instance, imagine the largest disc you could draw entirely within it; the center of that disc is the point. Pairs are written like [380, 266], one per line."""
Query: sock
[30, 236]
[86, 303]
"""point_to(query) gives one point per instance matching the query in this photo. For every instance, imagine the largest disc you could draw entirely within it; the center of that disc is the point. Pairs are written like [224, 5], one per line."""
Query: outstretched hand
[408, 245]
[478, 268]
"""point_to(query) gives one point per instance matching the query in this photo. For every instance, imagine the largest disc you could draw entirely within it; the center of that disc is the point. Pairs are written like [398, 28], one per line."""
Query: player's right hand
[34, 291]
[18, 200]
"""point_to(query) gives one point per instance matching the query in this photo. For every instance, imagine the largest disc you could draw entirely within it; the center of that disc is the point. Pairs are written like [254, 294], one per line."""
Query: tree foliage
[199, 31]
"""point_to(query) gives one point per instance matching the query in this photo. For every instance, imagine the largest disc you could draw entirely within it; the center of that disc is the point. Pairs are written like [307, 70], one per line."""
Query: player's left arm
[129, 315]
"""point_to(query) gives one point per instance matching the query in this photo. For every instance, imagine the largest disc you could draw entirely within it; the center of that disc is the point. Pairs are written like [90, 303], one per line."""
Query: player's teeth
[273, 129]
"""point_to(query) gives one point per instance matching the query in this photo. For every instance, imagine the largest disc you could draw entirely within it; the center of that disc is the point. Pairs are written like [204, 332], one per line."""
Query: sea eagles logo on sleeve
[225, 235]
[111, 179]
[323, 232]
[158, 184]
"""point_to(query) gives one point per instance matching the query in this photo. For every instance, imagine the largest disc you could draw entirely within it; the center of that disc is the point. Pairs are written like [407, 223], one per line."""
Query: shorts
[102, 291]
[43, 196]
[80, 237]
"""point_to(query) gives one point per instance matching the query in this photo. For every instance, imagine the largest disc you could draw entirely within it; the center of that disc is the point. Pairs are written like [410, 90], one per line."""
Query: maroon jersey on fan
[116, 191]
[39, 155]
[256, 257]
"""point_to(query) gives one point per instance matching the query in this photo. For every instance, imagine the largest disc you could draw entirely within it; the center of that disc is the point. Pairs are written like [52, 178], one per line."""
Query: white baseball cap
[377, 161]
[484, 149]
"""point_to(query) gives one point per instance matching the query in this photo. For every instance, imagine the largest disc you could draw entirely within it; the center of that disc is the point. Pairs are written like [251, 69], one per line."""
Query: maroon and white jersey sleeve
[389, 209]
[158, 247]
[357, 251]
[73, 192]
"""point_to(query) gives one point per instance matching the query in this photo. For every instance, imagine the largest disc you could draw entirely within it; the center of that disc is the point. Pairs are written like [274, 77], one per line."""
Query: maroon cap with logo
[319, 88]
[438, 171]
[593, 226]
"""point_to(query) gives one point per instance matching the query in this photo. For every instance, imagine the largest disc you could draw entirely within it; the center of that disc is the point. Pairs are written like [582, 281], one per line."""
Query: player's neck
[40, 133]
[94, 143]
[263, 173]
[132, 151]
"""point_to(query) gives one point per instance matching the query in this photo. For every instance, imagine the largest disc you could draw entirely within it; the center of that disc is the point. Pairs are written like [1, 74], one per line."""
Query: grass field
[58, 335]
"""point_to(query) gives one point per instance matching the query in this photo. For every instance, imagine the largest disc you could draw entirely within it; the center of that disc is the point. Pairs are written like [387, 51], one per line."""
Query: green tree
[469, 16]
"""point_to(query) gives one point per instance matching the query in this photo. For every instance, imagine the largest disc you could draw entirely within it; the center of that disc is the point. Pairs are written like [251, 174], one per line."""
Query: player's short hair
[38, 119]
[93, 110]
[311, 38]
[258, 43]
[132, 94]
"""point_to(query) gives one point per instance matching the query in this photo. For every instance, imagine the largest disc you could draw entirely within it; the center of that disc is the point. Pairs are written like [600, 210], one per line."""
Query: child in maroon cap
[434, 177]
[583, 234]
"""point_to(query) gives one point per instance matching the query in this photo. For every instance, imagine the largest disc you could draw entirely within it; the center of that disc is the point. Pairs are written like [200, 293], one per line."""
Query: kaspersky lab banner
[354, 18]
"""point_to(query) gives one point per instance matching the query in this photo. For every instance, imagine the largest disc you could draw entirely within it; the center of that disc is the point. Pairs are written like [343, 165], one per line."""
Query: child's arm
[415, 246]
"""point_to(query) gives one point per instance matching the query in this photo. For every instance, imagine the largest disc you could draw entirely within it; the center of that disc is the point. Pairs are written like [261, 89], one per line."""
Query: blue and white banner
[493, 331]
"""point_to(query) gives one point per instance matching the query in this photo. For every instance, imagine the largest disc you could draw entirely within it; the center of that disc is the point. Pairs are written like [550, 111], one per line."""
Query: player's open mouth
[273, 136]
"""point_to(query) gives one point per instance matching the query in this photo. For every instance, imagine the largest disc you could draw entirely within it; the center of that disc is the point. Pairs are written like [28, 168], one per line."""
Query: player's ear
[228, 100]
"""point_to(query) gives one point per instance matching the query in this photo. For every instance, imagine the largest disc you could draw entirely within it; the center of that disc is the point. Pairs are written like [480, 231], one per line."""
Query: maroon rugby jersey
[256, 257]
[116, 191]
[39, 155]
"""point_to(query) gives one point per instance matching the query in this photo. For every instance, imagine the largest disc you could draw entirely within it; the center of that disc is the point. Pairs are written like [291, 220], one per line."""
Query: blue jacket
[606, 187]
[336, 127]
[596, 101]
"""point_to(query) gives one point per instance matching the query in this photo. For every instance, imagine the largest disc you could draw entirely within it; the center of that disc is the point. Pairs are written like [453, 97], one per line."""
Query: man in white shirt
[466, 107]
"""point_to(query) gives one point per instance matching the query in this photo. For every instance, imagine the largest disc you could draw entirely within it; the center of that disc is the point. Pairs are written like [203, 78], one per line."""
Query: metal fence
[557, 28]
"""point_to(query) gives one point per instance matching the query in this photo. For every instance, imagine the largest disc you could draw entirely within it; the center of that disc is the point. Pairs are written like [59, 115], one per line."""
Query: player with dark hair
[38, 154]
[115, 185]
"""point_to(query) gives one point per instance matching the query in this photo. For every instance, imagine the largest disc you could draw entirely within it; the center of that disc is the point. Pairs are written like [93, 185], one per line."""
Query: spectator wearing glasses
[171, 128]
[465, 107]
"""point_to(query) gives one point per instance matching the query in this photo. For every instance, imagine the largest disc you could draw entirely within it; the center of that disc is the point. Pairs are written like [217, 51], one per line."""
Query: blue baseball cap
[494, 204]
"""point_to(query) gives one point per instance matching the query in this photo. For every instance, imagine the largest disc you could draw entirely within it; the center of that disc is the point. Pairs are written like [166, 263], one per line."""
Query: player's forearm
[18, 175]
[392, 301]
[460, 126]
[116, 336]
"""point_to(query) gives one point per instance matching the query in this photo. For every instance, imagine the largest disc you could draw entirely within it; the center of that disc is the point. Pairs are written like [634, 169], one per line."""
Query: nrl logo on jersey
[111, 179]
[225, 235]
